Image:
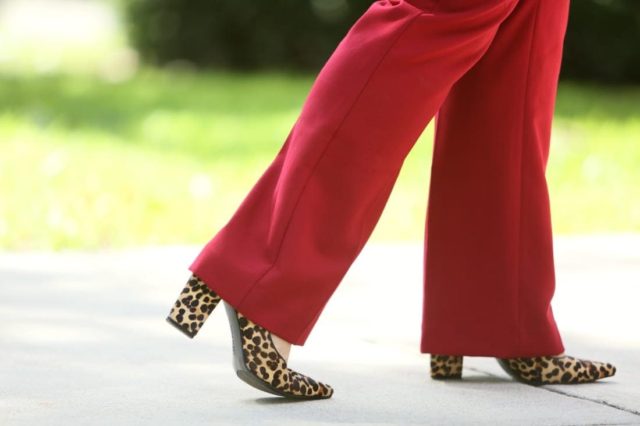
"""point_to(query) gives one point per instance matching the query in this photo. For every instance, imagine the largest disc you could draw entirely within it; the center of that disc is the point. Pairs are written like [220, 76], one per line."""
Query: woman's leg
[489, 268]
[284, 251]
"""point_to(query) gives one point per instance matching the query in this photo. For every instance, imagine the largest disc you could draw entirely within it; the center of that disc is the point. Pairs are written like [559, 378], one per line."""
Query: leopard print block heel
[193, 306]
[559, 369]
[446, 367]
[258, 362]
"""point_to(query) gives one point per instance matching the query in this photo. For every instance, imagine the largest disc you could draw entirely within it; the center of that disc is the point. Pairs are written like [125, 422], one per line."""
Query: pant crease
[522, 148]
[324, 151]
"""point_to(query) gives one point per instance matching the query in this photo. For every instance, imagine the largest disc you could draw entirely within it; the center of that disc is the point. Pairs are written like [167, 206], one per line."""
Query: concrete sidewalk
[84, 340]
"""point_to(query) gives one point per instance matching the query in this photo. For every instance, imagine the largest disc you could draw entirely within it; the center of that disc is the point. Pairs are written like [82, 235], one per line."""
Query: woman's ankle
[282, 346]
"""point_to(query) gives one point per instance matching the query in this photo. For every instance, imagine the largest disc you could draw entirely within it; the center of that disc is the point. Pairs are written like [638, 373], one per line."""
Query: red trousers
[487, 70]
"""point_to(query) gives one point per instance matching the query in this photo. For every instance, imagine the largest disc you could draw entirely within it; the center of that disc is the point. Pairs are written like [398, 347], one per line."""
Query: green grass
[593, 170]
[167, 158]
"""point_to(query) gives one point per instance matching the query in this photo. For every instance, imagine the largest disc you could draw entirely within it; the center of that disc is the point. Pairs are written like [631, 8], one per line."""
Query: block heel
[193, 306]
[444, 367]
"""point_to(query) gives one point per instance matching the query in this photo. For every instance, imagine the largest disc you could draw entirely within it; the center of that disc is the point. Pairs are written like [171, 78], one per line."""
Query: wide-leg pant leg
[489, 267]
[289, 244]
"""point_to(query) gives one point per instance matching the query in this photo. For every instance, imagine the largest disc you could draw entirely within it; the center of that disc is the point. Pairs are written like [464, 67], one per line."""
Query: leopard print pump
[193, 306]
[561, 369]
[541, 370]
[258, 362]
[255, 357]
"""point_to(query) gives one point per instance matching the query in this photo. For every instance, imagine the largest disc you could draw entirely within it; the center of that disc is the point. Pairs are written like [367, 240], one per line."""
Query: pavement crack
[597, 401]
[584, 398]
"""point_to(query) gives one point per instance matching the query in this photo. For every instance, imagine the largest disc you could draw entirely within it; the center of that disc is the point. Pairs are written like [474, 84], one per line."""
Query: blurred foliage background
[601, 43]
[147, 121]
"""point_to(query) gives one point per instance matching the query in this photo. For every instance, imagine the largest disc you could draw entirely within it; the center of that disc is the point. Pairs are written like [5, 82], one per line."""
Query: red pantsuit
[487, 71]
